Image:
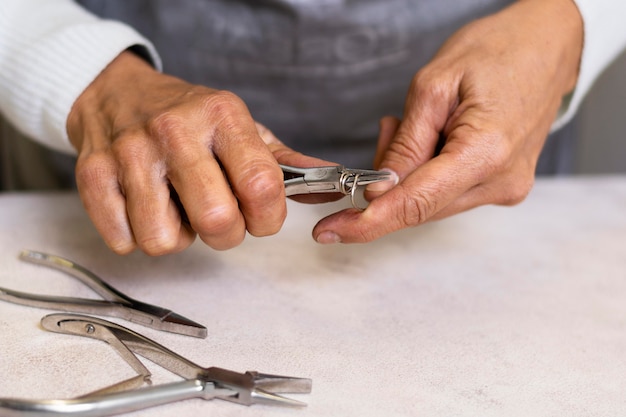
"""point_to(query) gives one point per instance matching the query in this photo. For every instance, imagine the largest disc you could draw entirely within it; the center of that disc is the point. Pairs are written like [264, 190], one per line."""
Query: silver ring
[343, 183]
[353, 194]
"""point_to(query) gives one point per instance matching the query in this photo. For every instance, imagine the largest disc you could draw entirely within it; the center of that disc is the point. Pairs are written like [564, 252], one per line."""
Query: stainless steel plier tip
[207, 383]
[115, 303]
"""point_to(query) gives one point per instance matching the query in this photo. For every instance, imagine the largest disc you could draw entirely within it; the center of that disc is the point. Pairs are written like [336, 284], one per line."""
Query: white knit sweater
[51, 50]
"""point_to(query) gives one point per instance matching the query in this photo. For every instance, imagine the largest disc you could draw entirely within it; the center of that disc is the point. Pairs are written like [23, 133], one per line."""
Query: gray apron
[318, 73]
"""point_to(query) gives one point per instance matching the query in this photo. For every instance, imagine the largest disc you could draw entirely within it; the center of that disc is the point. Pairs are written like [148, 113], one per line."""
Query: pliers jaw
[247, 388]
[257, 388]
[330, 179]
[311, 180]
[115, 303]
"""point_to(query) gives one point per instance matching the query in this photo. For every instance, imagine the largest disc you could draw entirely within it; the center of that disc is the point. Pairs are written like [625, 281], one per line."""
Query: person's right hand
[142, 136]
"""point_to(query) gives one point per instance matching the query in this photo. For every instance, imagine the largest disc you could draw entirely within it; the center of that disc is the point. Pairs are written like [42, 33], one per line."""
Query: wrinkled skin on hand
[492, 91]
[142, 135]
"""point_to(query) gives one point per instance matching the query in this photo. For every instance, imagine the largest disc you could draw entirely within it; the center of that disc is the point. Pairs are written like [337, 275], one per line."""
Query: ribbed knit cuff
[43, 77]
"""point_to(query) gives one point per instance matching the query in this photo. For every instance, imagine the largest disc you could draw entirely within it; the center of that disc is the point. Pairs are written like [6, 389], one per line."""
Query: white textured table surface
[495, 312]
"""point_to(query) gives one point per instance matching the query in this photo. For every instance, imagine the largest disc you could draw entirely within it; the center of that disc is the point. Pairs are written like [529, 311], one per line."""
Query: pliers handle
[115, 303]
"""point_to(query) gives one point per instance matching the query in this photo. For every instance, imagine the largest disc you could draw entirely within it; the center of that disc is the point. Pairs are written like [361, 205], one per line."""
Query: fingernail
[382, 186]
[327, 238]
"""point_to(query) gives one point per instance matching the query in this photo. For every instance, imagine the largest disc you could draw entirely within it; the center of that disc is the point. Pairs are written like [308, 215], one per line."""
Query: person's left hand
[492, 92]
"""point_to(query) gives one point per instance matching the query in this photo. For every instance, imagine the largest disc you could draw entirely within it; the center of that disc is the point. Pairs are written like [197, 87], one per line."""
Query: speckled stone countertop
[495, 312]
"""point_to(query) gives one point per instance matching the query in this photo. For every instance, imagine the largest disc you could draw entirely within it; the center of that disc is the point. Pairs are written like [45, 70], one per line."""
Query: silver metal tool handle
[108, 404]
[79, 272]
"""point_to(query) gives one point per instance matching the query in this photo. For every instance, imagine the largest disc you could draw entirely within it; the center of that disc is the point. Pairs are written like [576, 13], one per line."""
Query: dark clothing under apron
[318, 73]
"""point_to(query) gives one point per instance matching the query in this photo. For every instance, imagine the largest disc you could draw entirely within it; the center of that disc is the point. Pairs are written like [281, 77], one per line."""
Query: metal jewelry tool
[330, 179]
[316, 180]
[115, 303]
[208, 383]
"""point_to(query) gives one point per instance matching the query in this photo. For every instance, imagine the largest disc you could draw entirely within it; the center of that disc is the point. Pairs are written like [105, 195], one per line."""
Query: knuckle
[365, 235]
[157, 245]
[118, 238]
[406, 149]
[130, 148]
[94, 171]
[427, 86]
[217, 221]
[122, 247]
[210, 114]
[170, 132]
[262, 194]
[491, 158]
[420, 80]
[216, 106]
[268, 225]
[225, 109]
[222, 103]
[260, 183]
[516, 192]
[166, 124]
[138, 165]
[417, 207]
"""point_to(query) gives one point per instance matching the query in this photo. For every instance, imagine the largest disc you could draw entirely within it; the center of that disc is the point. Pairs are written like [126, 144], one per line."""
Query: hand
[142, 135]
[492, 92]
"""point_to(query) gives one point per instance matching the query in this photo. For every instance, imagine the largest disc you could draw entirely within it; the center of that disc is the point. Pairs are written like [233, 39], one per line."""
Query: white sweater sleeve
[50, 51]
[604, 39]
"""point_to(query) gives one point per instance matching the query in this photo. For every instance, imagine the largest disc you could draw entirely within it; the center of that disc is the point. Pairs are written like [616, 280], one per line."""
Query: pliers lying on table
[115, 303]
[329, 179]
[208, 383]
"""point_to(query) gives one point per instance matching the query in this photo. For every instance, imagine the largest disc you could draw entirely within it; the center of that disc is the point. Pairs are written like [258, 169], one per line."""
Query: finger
[430, 100]
[207, 198]
[441, 185]
[426, 184]
[258, 186]
[99, 190]
[388, 127]
[196, 161]
[255, 177]
[155, 220]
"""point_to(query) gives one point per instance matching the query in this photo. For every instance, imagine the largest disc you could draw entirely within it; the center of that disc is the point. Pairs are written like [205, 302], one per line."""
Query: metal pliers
[208, 383]
[115, 303]
[329, 179]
